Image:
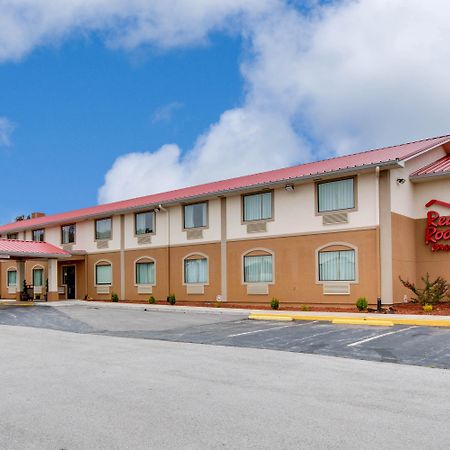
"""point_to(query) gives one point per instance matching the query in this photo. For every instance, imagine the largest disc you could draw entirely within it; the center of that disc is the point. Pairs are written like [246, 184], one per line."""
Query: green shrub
[427, 307]
[114, 297]
[432, 293]
[171, 299]
[361, 303]
[275, 304]
[152, 300]
[304, 308]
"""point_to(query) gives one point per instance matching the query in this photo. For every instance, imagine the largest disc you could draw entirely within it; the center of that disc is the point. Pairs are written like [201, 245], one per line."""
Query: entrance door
[69, 280]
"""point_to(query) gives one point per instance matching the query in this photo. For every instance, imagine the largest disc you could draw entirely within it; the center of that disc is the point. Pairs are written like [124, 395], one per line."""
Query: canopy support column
[52, 293]
[20, 277]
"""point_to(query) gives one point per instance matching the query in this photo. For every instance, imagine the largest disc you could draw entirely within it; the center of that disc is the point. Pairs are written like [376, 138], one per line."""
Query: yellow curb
[376, 323]
[271, 317]
[362, 320]
[16, 303]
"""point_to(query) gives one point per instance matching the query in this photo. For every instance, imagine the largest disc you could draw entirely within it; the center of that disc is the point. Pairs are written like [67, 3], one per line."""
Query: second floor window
[12, 236]
[258, 206]
[144, 222]
[195, 215]
[335, 195]
[68, 234]
[38, 235]
[103, 229]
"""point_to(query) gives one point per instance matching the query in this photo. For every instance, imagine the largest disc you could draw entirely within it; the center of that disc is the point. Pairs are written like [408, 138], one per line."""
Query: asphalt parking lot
[413, 345]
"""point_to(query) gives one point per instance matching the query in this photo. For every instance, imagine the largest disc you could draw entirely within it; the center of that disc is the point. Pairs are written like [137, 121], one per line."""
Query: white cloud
[165, 113]
[346, 76]
[6, 129]
[26, 24]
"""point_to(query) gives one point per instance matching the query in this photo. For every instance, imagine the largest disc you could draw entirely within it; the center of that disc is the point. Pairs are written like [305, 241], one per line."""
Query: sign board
[437, 231]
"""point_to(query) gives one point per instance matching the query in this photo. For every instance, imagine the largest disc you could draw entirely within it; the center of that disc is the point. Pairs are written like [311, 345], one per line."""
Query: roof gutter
[395, 163]
[428, 176]
[33, 255]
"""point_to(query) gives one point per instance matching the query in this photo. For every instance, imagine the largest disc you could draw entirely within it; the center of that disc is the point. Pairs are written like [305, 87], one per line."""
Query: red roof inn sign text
[437, 232]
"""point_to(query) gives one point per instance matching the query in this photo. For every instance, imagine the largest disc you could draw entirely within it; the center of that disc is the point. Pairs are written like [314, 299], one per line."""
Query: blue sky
[79, 106]
[105, 100]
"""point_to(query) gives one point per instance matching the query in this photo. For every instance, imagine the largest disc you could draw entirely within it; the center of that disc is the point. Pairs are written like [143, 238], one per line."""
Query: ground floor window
[145, 272]
[103, 274]
[195, 270]
[38, 277]
[337, 265]
[12, 277]
[258, 269]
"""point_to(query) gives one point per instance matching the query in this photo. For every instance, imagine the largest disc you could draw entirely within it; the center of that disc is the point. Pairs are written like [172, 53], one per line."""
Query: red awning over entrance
[14, 248]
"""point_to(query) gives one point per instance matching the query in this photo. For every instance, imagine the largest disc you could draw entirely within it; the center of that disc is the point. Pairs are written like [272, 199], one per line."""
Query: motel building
[320, 233]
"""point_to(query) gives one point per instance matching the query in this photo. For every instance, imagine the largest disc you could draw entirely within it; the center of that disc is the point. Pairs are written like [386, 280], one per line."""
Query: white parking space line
[362, 341]
[270, 329]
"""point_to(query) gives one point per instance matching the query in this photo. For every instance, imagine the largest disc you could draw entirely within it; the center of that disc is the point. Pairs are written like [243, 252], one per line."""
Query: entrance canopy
[16, 249]
[23, 250]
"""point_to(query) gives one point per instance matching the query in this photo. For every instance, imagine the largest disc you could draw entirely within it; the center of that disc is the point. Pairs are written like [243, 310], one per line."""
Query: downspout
[378, 223]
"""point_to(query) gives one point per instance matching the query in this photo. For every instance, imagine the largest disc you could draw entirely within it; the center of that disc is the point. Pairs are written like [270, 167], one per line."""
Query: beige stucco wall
[295, 211]
[296, 268]
[408, 199]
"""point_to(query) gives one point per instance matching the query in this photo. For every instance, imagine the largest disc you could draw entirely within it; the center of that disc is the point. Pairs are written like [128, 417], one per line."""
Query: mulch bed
[442, 309]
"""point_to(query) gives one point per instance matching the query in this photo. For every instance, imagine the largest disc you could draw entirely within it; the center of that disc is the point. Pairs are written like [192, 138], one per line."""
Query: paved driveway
[424, 346]
[86, 391]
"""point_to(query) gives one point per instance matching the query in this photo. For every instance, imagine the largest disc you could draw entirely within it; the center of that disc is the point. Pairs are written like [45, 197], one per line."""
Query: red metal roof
[439, 167]
[354, 161]
[15, 247]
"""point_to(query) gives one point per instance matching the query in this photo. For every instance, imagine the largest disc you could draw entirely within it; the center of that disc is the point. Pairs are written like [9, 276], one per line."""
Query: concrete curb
[146, 307]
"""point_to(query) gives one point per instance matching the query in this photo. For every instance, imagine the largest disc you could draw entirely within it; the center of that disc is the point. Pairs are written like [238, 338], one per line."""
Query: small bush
[304, 308]
[361, 303]
[433, 292]
[427, 307]
[275, 303]
[152, 300]
[171, 299]
[114, 297]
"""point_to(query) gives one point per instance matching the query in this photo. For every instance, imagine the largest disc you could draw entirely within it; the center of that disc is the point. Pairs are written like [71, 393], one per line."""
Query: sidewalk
[264, 314]
[260, 314]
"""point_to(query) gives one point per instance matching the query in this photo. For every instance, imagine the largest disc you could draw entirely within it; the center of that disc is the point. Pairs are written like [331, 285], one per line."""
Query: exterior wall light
[289, 187]
[401, 181]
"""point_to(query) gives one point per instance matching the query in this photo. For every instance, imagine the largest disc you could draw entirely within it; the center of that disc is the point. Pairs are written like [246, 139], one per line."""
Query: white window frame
[152, 212]
[331, 211]
[206, 216]
[95, 229]
[74, 233]
[272, 200]
[103, 262]
[11, 269]
[145, 259]
[189, 256]
[337, 244]
[38, 267]
[247, 253]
